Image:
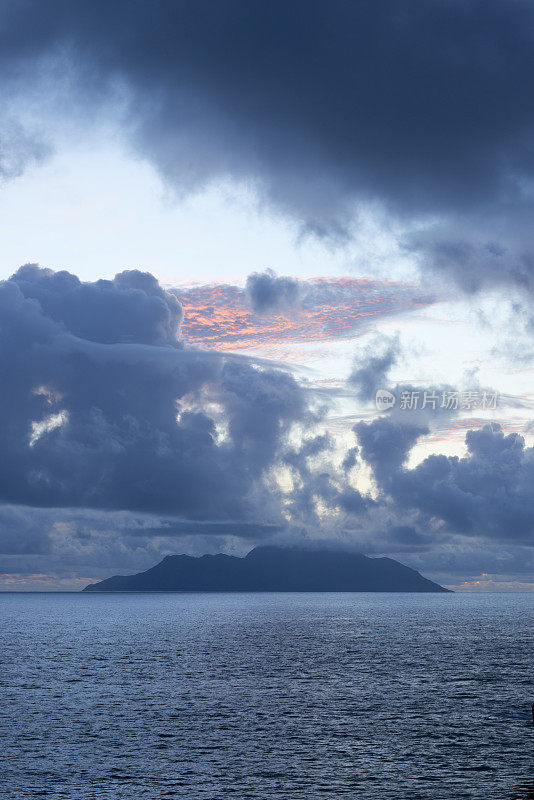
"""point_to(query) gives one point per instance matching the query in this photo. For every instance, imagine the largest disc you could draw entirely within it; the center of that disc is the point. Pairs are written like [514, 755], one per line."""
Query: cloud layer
[107, 409]
[119, 440]
[426, 110]
[421, 114]
[225, 317]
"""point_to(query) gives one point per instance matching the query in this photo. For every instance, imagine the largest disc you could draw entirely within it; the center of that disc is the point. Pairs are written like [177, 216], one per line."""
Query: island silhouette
[273, 569]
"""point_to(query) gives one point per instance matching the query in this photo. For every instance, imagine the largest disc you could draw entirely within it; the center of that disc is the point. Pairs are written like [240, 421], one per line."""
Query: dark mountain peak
[272, 568]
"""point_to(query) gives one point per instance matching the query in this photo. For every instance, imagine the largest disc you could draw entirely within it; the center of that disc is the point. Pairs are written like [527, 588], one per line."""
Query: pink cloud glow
[218, 316]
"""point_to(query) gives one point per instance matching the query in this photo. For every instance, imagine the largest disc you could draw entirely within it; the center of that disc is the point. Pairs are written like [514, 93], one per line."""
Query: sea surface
[266, 696]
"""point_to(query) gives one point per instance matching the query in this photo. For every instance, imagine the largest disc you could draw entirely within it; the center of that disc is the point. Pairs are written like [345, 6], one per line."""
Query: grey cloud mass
[130, 308]
[268, 292]
[485, 494]
[107, 410]
[425, 108]
[422, 110]
[371, 368]
[118, 441]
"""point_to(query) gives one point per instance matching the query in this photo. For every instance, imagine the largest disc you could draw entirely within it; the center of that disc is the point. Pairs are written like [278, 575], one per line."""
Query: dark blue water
[266, 696]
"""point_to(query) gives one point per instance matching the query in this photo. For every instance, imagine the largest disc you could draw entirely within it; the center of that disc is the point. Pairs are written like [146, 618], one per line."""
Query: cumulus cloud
[130, 308]
[121, 443]
[109, 413]
[372, 366]
[107, 410]
[386, 443]
[423, 111]
[269, 292]
[485, 494]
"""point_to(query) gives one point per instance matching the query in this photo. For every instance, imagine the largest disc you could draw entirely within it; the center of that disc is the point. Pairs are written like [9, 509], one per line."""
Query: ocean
[266, 696]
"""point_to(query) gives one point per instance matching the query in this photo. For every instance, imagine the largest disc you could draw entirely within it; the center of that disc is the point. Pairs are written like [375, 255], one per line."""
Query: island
[273, 569]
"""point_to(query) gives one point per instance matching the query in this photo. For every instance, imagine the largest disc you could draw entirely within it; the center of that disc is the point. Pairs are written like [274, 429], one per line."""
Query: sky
[225, 228]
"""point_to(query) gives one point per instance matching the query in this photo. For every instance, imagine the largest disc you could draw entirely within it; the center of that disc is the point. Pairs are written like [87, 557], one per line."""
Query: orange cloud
[488, 583]
[218, 316]
[38, 581]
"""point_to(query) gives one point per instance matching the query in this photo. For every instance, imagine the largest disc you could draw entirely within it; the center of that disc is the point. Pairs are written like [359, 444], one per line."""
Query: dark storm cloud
[484, 495]
[22, 533]
[426, 107]
[487, 493]
[477, 258]
[243, 530]
[268, 292]
[318, 485]
[371, 368]
[386, 443]
[350, 459]
[105, 409]
[130, 308]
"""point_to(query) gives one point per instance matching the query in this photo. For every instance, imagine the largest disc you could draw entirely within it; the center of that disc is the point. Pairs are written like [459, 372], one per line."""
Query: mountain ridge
[272, 569]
